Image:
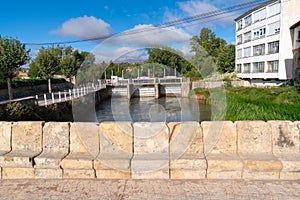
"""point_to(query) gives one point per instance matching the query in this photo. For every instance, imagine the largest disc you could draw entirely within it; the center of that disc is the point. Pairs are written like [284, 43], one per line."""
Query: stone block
[220, 141]
[56, 139]
[116, 148]
[224, 174]
[155, 174]
[254, 137]
[185, 139]
[255, 150]
[151, 150]
[187, 174]
[84, 146]
[17, 173]
[112, 174]
[47, 173]
[285, 175]
[77, 161]
[219, 137]
[186, 151]
[150, 138]
[5, 137]
[150, 167]
[258, 175]
[78, 173]
[26, 143]
[286, 146]
[188, 168]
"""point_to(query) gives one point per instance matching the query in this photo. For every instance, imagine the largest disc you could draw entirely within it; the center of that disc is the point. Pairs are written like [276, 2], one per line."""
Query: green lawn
[282, 103]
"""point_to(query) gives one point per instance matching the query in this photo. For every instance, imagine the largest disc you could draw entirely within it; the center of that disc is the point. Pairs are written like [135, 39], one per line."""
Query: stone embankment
[144, 150]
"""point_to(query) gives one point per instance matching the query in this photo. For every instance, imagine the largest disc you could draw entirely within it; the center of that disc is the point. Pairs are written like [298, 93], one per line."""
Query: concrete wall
[144, 150]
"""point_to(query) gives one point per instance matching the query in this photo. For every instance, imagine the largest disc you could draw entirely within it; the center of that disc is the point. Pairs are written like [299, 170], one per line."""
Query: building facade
[295, 32]
[264, 49]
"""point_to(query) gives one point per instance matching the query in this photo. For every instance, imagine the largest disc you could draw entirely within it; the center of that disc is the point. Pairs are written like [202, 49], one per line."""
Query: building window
[259, 50]
[258, 67]
[274, 9]
[274, 28]
[298, 36]
[247, 52]
[260, 15]
[239, 53]
[246, 68]
[258, 33]
[239, 39]
[273, 47]
[247, 36]
[240, 25]
[239, 68]
[272, 66]
[248, 20]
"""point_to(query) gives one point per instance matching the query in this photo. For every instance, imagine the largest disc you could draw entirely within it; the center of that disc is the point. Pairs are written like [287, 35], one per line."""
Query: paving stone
[255, 149]
[222, 159]
[151, 150]
[5, 137]
[286, 147]
[48, 173]
[26, 144]
[84, 146]
[186, 151]
[56, 139]
[78, 173]
[17, 173]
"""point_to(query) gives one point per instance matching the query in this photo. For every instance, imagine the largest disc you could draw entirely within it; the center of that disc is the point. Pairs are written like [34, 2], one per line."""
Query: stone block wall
[150, 150]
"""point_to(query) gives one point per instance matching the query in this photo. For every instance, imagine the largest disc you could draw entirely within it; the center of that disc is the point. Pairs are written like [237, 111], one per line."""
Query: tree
[33, 71]
[226, 59]
[221, 53]
[169, 57]
[13, 55]
[48, 61]
[70, 62]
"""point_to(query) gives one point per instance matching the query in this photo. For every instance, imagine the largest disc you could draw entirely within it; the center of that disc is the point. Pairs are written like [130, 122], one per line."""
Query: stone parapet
[150, 150]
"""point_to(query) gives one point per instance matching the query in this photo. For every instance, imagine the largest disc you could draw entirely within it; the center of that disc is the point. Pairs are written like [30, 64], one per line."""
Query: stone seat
[116, 150]
[26, 143]
[286, 147]
[220, 139]
[255, 150]
[56, 139]
[84, 148]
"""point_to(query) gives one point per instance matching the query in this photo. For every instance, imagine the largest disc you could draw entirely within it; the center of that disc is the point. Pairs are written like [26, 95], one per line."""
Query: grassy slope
[281, 103]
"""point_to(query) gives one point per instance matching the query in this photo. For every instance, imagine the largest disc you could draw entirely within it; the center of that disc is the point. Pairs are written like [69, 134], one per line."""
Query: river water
[165, 109]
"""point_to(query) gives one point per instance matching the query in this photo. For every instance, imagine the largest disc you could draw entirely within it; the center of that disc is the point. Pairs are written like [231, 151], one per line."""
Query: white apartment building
[264, 49]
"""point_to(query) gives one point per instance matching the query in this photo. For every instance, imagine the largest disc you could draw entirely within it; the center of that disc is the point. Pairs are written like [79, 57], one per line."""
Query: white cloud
[186, 50]
[84, 27]
[149, 35]
[194, 7]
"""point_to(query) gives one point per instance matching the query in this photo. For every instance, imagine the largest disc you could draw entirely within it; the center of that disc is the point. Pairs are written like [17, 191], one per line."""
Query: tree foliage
[169, 57]
[221, 53]
[13, 55]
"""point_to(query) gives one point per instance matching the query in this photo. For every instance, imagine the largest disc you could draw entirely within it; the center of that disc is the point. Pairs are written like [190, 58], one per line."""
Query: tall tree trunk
[10, 95]
[49, 85]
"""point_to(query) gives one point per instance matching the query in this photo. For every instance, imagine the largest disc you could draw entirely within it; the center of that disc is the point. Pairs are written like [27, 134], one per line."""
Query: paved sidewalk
[148, 189]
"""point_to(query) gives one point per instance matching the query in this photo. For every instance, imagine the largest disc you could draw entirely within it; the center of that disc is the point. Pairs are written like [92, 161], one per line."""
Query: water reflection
[165, 109]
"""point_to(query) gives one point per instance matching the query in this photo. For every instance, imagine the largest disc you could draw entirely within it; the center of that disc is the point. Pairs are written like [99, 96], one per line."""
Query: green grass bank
[282, 103]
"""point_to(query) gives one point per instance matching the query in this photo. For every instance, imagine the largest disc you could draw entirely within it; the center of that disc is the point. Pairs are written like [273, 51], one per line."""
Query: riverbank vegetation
[282, 103]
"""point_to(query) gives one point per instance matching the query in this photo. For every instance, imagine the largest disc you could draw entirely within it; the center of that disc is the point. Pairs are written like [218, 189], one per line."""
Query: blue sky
[35, 21]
